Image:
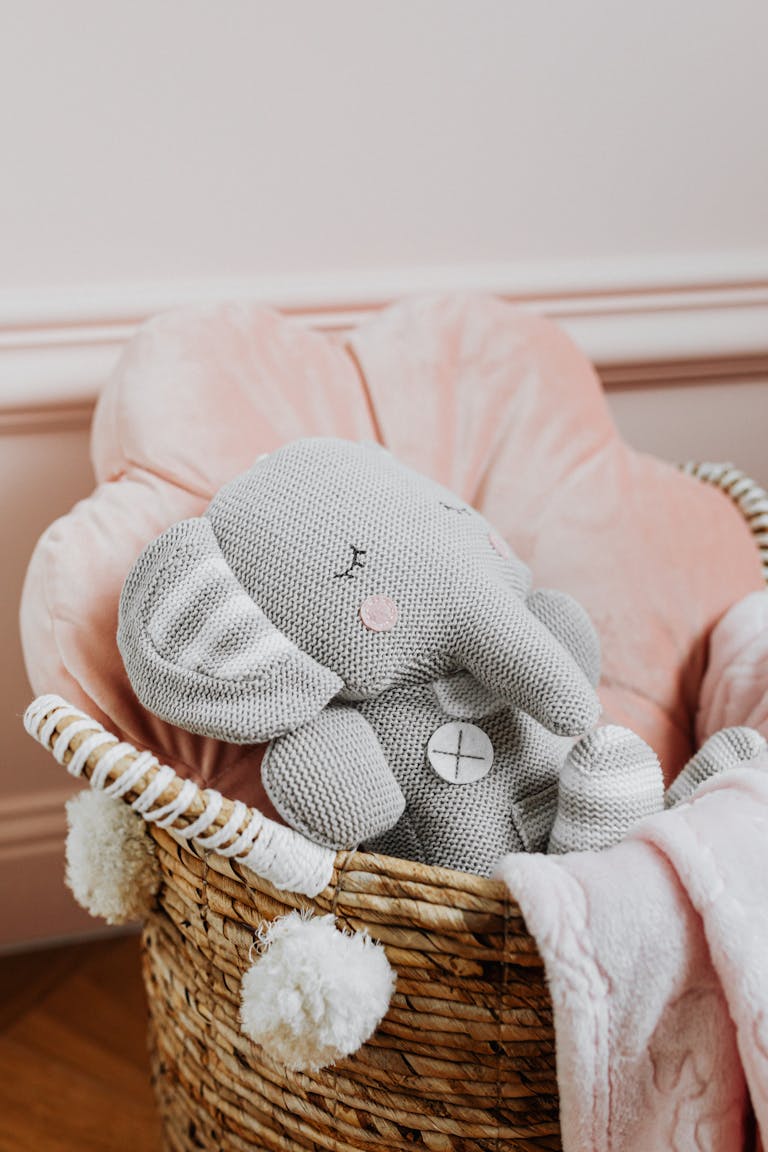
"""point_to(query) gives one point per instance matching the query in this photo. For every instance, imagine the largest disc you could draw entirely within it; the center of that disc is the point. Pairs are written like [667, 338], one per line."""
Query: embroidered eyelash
[356, 563]
[453, 508]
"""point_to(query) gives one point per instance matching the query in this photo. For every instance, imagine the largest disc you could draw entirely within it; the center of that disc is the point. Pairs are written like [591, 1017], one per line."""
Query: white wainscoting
[640, 320]
[682, 347]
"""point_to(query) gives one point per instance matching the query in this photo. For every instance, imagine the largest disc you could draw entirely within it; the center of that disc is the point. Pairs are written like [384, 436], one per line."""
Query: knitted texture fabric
[200, 653]
[565, 618]
[510, 809]
[464, 697]
[729, 748]
[314, 530]
[610, 781]
[331, 781]
[329, 571]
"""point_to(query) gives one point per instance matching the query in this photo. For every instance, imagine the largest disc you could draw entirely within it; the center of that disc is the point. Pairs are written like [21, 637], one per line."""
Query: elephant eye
[357, 562]
[454, 508]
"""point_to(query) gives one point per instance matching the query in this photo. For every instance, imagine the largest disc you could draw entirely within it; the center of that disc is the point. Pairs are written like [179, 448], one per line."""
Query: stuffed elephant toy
[417, 696]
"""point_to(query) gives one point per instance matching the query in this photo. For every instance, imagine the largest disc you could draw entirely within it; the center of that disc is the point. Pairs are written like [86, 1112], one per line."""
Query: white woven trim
[165, 775]
[48, 728]
[61, 743]
[226, 833]
[291, 862]
[40, 708]
[214, 801]
[168, 813]
[131, 776]
[54, 708]
[107, 762]
[748, 496]
[280, 855]
[81, 754]
[244, 842]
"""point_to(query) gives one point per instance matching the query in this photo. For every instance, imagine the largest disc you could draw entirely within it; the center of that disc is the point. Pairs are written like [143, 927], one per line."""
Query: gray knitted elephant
[418, 697]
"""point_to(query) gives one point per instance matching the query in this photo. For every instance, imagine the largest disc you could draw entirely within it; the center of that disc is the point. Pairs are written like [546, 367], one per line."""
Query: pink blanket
[656, 953]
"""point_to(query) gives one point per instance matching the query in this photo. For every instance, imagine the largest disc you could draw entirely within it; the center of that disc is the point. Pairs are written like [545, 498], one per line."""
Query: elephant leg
[729, 748]
[329, 779]
[611, 779]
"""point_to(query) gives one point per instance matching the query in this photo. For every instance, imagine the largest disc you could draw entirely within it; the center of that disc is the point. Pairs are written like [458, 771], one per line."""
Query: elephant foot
[611, 779]
[729, 748]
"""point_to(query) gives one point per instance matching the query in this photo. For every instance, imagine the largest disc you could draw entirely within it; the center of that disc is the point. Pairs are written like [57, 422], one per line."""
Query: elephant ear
[200, 653]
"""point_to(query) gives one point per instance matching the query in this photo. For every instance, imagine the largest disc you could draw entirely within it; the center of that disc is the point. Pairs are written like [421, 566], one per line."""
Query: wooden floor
[74, 1071]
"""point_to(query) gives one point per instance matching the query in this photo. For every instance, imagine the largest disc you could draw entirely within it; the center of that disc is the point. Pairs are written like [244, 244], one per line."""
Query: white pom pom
[316, 994]
[111, 866]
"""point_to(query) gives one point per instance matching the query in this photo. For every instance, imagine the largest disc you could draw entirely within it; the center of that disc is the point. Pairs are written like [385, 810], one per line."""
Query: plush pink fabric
[735, 687]
[497, 403]
[677, 911]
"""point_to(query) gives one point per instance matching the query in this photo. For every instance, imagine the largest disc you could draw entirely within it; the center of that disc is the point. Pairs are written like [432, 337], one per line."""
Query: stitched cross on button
[460, 753]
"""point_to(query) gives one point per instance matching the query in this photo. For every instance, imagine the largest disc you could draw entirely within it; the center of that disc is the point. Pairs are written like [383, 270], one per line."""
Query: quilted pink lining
[496, 403]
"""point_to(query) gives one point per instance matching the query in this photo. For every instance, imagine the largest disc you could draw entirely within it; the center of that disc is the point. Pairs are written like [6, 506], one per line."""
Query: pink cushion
[496, 403]
[735, 687]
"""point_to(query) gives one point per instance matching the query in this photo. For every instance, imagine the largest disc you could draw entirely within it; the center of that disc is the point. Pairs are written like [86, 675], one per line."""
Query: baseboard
[37, 907]
[641, 321]
[32, 823]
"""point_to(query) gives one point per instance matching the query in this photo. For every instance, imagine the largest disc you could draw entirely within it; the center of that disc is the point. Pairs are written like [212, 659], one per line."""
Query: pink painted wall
[43, 471]
[722, 420]
[190, 139]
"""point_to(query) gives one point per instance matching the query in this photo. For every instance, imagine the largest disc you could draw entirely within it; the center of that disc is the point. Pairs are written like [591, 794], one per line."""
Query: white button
[460, 753]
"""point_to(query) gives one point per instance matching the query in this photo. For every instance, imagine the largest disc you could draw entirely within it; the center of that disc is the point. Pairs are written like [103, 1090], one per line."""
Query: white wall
[187, 138]
[603, 161]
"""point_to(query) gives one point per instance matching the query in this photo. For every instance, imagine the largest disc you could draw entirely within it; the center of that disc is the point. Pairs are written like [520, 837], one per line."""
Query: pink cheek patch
[379, 613]
[500, 545]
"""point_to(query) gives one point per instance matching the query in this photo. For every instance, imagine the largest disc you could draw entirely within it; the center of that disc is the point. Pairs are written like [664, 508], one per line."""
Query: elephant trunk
[517, 658]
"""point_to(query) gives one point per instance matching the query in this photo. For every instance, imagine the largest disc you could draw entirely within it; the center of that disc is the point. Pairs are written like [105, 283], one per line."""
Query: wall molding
[642, 321]
[33, 824]
[38, 910]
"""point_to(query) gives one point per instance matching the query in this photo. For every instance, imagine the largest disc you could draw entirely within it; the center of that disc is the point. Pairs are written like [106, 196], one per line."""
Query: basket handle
[750, 499]
[283, 857]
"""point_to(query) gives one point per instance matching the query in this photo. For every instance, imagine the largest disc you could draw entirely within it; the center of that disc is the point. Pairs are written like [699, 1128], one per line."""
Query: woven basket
[465, 1057]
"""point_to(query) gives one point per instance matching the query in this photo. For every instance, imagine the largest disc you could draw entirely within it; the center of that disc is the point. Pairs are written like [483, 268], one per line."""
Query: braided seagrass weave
[464, 1060]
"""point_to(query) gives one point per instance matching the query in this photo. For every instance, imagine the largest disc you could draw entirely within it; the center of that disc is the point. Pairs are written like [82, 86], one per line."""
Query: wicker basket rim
[83, 727]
